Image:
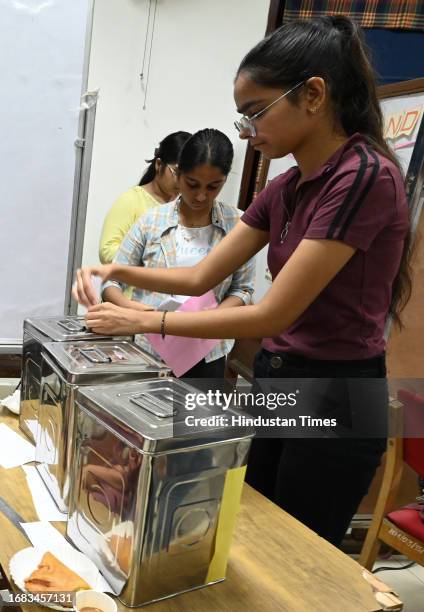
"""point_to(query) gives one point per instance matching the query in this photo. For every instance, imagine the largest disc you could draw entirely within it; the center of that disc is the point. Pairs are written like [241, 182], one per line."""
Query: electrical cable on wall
[145, 41]
[146, 86]
[150, 55]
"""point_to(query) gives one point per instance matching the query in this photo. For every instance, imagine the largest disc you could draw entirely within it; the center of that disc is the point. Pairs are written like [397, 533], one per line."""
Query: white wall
[197, 47]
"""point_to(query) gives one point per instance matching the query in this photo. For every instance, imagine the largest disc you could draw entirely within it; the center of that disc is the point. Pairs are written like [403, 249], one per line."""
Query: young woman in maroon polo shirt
[337, 230]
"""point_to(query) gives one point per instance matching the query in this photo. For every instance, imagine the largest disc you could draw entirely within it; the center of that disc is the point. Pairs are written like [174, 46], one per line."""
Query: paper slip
[96, 285]
[43, 502]
[173, 302]
[14, 449]
[181, 354]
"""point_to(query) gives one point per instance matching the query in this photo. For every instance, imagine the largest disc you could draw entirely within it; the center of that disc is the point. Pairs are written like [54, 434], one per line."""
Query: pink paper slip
[180, 354]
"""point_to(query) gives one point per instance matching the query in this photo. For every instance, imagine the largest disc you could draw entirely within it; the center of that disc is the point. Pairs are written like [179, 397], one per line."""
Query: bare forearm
[232, 301]
[224, 260]
[247, 322]
[309, 270]
[234, 250]
[180, 281]
[115, 296]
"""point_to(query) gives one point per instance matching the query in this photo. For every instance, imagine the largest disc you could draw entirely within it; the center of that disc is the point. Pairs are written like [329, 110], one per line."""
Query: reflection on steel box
[65, 366]
[36, 333]
[153, 505]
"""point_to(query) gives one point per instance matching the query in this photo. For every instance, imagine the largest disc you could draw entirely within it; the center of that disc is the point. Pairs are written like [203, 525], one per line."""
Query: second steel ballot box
[65, 367]
[37, 332]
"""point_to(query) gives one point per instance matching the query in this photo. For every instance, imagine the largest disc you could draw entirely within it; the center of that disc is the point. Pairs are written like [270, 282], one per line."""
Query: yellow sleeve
[119, 220]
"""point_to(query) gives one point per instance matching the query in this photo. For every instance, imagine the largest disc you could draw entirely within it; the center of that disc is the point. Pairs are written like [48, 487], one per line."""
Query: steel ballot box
[153, 501]
[65, 367]
[38, 331]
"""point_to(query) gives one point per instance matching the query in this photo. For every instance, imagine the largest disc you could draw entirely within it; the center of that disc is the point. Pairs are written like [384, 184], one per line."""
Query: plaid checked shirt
[151, 243]
[391, 14]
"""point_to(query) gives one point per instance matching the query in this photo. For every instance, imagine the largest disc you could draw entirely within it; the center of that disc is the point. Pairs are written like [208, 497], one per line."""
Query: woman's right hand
[83, 290]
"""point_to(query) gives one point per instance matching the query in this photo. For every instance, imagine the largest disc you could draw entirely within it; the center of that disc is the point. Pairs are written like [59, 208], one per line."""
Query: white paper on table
[14, 449]
[45, 537]
[42, 534]
[12, 402]
[32, 425]
[43, 502]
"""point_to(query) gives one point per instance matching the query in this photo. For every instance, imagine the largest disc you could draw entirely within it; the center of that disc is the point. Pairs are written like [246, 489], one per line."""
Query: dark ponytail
[355, 97]
[168, 152]
[332, 48]
[207, 146]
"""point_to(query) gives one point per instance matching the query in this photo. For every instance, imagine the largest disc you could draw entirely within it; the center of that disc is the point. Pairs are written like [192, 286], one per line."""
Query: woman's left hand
[114, 320]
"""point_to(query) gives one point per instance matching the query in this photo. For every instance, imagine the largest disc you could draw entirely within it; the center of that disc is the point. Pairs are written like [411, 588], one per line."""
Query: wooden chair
[402, 529]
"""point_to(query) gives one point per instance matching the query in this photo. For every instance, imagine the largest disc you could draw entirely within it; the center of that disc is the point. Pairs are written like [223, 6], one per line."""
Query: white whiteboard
[402, 120]
[41, 67]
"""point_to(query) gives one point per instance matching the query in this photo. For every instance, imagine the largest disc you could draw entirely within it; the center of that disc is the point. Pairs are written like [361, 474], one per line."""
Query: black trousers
[319, 481]
[203, 369]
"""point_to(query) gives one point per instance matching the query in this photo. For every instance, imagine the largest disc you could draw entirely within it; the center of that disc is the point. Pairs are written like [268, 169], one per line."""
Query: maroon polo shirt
[357, 197]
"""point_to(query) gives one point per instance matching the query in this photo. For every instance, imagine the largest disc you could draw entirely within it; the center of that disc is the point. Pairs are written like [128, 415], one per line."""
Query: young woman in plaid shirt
[182, 233]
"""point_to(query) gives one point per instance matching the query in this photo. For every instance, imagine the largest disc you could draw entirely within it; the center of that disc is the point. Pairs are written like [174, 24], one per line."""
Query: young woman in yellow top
[157, 186]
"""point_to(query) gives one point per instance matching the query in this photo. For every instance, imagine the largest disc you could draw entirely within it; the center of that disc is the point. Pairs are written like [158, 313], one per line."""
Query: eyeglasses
[173, 171]
[246, 123]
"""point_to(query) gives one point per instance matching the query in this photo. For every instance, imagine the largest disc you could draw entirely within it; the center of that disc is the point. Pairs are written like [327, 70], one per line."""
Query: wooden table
[276, 563]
